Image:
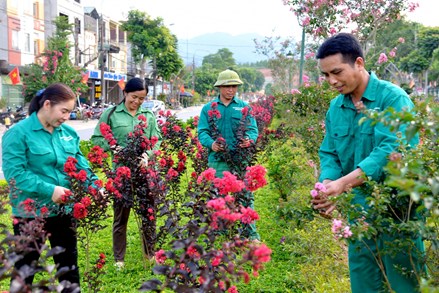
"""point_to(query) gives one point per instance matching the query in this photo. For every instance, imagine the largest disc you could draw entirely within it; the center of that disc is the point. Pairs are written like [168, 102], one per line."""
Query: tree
[169, 62]
[150, 39]
[253, 79]
[282, 60]
[422, 58]
[325, 17]
[205, 78]
[221, 60]
[54, 64]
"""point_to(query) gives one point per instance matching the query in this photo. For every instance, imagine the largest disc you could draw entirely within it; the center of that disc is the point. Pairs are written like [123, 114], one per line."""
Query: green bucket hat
[228, 77]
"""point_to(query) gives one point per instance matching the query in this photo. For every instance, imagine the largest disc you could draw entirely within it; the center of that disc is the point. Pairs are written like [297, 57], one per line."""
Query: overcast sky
[191, 18]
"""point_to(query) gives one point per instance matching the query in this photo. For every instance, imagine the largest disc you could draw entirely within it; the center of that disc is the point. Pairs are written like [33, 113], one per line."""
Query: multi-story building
[21, 39]
[98, 43]
[107, 57]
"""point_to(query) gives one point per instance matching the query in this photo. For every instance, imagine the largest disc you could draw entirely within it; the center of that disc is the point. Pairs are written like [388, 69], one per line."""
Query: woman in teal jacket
[122, 119]
[34, 153]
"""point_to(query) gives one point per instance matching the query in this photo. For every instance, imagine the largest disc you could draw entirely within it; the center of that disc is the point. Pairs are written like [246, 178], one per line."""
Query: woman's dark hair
[135, 84]
[55, 93]
[345, 44]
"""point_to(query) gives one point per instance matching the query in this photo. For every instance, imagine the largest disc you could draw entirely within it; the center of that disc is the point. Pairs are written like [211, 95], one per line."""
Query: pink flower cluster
[214, 113]
[206, 176]
[160, 256]
[261, 113]
[107, 133]
[192, 252]
[216, 260]
[340, 230]
[228, 184]
[97, 155]
[255, 177]
[382, 59]
[222, 212]
[101, 261]
[318, 188]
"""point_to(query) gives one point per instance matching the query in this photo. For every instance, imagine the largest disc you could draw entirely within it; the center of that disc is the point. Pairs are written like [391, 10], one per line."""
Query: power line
[221, 45]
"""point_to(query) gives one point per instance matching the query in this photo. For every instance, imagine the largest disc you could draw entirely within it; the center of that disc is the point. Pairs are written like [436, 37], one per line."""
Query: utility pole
[193, 72]
[103, 59]
[154, 77]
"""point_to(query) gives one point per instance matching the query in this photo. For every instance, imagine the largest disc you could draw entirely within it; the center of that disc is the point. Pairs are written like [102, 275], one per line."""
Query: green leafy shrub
[285, 164]
[304, 114]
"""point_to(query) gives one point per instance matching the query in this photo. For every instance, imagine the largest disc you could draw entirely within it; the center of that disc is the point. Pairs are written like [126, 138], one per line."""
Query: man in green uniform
[351, 151]
[230, 107]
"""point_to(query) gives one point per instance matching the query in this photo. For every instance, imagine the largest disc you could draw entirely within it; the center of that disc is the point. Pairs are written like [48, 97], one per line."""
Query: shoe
[150, 258]
[119, 265]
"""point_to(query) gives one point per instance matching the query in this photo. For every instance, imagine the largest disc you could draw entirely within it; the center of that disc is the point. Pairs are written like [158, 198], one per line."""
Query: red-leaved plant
[210, 254]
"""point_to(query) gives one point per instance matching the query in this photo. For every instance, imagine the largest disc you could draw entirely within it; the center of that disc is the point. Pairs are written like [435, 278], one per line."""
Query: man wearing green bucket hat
[230, 109]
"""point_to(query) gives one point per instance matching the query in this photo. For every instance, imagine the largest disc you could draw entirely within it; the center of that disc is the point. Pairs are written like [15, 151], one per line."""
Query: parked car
[154, 105]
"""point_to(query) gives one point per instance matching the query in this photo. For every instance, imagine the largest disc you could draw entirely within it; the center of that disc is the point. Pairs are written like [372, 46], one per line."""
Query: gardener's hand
[58, 194]
[324, 205]
[217, 147]
[144, 160]
[245, 143]
[117, 149]
[322, 202]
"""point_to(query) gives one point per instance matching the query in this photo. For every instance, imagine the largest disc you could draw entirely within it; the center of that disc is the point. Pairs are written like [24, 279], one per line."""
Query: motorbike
[19, 114]
[16, 116]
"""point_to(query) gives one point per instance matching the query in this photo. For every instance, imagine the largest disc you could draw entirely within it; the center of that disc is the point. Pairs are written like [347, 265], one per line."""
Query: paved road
[85, 129]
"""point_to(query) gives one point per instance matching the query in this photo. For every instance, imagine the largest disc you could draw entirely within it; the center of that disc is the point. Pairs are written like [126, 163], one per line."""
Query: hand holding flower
[58, 194]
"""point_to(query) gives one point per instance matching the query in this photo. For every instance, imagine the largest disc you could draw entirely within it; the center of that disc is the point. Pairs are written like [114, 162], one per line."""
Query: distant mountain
[242, 46]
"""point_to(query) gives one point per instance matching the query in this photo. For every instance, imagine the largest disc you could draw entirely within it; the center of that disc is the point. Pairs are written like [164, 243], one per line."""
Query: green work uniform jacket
[122, 123]
[34, 158]
[348, 145]
[227, 125]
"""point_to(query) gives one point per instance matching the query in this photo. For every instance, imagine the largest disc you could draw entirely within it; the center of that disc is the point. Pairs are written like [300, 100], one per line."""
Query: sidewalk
[81, 124]
[91, 123]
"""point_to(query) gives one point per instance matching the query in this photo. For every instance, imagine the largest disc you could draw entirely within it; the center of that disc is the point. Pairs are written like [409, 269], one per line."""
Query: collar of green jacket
[369, 94]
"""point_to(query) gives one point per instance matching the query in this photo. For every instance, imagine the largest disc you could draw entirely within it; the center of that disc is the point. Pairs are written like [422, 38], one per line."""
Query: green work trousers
[401, 263]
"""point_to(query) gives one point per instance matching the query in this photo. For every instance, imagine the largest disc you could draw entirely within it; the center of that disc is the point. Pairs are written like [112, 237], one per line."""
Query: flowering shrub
[262, 111]
[406, 203]
[236, 157]
[32, 237]
[201, 220]
[324, 18]
[92, 277]
[304, 114]
[340, 230]
[209, 253]
[54, 65]
[87, 199]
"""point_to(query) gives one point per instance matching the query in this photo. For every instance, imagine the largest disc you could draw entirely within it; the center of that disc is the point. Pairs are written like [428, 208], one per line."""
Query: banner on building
[121, 83]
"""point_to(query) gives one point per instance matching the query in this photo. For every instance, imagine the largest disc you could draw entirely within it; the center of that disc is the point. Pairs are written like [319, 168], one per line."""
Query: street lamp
[290, 57]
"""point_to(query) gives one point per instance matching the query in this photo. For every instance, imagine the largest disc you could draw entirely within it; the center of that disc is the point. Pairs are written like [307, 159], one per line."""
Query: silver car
[154, 105]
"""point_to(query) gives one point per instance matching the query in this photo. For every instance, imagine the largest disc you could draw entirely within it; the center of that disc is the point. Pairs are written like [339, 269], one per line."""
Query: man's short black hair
[345, 44]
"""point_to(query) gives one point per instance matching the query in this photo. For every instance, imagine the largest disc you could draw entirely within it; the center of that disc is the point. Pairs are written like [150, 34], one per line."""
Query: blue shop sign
[96, 74]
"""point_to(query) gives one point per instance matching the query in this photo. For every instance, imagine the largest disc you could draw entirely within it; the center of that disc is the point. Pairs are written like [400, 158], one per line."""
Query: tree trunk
[142, 69]
[154, 78]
